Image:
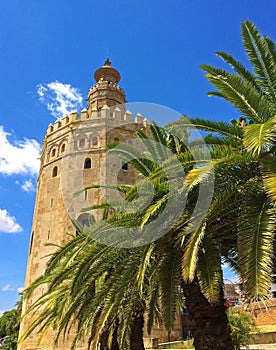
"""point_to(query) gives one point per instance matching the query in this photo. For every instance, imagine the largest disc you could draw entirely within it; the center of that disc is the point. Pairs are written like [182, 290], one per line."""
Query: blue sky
[49, 51]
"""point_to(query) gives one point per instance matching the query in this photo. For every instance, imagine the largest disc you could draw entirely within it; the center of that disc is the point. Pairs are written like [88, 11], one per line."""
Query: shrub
[242, 326]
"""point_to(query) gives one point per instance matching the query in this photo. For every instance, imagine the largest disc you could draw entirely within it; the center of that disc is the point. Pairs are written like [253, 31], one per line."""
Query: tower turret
[106, 91]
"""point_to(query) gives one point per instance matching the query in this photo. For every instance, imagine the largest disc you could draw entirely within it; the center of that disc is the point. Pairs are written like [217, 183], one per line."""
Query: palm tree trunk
[115, 344]
[211, 330]
[104, 341]
[136, 332]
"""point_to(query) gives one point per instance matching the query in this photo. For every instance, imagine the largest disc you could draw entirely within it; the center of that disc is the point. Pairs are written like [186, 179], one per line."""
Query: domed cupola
[106, 91]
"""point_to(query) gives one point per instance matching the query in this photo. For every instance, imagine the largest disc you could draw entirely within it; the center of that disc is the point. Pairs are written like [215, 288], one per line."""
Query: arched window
[31, 243]
[53, 154]
[83, 219]
[55, 171]
[81, 143]
[62, 148]
[125, 166]
[87, 163]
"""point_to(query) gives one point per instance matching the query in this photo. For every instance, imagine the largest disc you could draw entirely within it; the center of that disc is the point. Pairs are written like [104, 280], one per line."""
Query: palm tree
[240, 222]
[245, 162]
[105, 284]
[202, 286]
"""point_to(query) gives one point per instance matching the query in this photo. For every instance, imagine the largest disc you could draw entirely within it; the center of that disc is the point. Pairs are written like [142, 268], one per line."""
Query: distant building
[232, 292]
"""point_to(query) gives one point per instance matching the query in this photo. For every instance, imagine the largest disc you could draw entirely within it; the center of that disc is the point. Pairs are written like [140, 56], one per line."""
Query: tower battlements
[108, 113]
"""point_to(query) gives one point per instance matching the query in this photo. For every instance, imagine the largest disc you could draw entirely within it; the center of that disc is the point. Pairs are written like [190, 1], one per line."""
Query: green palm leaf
[209, 269]
[190, 256]
[260, 137]
[256, 233]
[240, 69]
[220, 127]
[268, 168]
[241, 94]
[260, 57]
[170, 276]
[135, 157]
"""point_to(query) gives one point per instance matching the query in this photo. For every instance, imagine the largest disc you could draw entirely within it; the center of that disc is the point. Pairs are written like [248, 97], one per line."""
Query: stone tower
[73, 157]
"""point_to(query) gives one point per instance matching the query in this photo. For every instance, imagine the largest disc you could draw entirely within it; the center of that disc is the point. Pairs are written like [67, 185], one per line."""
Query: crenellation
[74, 116]
[139, 118]
[117, 113]
[128, 116]
[84, 114]
[70, 122]
[65, 120]
[57, 124]
[50, 129]
[105, 111]
[94, 113]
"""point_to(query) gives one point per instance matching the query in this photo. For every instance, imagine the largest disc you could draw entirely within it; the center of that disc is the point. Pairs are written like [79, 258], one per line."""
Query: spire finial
[107, 62]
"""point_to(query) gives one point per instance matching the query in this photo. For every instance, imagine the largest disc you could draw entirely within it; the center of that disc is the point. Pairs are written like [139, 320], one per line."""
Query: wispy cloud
[19, 157]
[1, 312]
[26, 186]
[7, 288]
[19, 290]
[59, 98]
[8, 223]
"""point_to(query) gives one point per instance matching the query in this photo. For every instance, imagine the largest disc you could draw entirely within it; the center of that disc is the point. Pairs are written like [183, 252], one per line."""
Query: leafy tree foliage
[9, 327]
[242, 326]
[9, 322]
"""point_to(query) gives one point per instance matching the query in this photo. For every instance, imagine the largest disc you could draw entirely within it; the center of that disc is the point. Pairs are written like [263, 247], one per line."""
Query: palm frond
[170, 276]
[251, 103]
[260, 57]
[117, 187]
[190, 256]
[240, 69]
[260, 137]
[268, 168]
[135, 157]
[154, 210]
[256, 233]
[209, 269]
[220, 127]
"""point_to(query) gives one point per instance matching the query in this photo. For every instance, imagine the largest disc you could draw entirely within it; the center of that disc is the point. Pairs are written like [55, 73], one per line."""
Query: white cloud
[21, 157]
[19, 290]
[8, 223]
[1, 312]
[59, 98]
[7, 288]
[26, 186]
